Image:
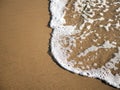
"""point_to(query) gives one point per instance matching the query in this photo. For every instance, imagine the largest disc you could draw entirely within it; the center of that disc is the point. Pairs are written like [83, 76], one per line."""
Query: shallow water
[86, 38]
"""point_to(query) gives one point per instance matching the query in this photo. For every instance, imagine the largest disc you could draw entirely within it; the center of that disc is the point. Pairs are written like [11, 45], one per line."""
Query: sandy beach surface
[24, 43]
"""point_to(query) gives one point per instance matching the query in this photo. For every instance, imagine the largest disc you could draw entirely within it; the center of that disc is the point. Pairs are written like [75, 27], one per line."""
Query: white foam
[107, 44]
[57, 8]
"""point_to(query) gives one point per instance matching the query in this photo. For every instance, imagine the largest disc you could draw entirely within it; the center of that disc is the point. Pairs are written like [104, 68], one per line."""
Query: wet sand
[24, 60]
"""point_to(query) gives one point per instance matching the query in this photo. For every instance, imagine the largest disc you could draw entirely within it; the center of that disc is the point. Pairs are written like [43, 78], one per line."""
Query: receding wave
[86, 37]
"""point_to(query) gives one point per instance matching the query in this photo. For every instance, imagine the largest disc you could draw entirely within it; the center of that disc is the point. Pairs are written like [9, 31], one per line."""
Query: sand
[24, 43]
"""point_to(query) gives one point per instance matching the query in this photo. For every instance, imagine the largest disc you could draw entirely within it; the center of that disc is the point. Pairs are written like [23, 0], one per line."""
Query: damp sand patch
[86, 37]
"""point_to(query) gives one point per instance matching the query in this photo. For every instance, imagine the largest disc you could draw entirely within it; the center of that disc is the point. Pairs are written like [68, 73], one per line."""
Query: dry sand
[24, 60]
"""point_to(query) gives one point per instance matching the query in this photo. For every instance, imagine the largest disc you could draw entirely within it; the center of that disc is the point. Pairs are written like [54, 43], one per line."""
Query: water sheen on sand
[86, 37]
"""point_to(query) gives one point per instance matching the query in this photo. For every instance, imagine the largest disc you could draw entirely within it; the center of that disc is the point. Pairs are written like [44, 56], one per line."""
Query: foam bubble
[86, 37]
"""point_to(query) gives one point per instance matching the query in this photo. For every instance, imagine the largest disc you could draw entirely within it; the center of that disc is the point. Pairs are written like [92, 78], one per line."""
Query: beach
[25, 62]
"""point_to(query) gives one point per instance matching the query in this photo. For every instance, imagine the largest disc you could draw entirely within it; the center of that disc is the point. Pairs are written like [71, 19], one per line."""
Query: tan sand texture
[97, 38]
[24, 60]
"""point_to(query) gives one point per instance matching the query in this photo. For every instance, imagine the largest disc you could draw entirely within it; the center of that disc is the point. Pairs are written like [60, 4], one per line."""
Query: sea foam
[86, 37]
